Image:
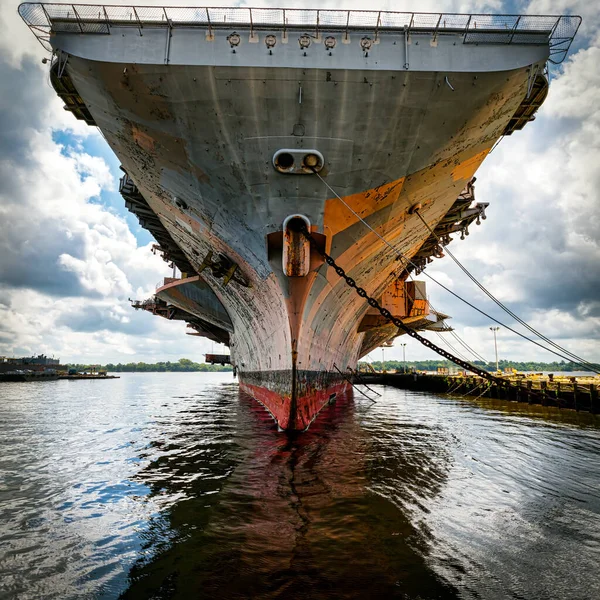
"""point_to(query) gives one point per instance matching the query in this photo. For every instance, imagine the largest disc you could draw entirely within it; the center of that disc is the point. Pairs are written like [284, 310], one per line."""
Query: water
[174, 485]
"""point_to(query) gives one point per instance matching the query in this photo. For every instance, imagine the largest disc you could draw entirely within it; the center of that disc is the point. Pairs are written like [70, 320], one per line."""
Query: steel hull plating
[294, 406]
[198, 141]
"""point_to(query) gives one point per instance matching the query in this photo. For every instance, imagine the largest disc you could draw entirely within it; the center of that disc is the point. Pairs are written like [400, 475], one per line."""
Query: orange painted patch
[337, 216]
[467, 168]
[143, 140]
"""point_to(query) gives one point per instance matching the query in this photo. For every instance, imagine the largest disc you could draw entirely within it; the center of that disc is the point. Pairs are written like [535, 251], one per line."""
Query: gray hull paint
[205, 134]
[195, 296]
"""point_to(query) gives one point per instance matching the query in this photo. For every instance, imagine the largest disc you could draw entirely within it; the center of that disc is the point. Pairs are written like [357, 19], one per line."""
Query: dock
[88, 376]
[577, 393]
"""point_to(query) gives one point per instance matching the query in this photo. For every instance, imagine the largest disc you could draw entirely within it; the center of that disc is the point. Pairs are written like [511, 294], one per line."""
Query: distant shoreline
[433, 365]
[183, 365]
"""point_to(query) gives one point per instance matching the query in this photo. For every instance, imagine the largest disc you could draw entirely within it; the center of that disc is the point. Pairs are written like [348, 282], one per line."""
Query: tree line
[186, 365]
[182, 365]
[432, 365]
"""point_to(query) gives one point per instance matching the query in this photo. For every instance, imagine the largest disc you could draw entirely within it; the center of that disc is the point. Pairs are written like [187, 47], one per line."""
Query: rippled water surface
[170, 485]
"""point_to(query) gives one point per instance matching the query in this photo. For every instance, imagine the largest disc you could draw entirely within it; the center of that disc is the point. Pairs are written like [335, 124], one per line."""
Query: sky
[71, 255]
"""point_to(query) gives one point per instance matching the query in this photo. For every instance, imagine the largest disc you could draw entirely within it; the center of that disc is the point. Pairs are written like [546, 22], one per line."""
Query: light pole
[404, 357]
[382, 360]
[494, 329]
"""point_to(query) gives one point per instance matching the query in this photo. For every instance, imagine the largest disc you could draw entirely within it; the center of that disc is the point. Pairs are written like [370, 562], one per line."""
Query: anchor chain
[384, 312]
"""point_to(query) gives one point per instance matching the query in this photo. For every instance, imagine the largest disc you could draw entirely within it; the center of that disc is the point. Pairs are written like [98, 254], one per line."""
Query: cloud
[54, 239]
[69, 262]
[539, 249]
[585, 9]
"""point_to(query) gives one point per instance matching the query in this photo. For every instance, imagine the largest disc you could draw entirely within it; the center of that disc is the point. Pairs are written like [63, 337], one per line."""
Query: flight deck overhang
[298, 38]
[193, 301]
[194, 296]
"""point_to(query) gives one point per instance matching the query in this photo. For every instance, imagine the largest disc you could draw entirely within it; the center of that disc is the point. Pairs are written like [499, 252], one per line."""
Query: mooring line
[484, 391]
[570, 355]
[455, 387]
[350, 382]
[471, 391]
[409, 261]
[356, 374]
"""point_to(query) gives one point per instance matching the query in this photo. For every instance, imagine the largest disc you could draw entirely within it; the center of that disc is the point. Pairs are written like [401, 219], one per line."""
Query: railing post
[467, 29]
[514, 29]
[140, 26]
[47, 15]
[553, 30]
[210, 34]
[107, 19]
[168, 42]
[437, 25]
[77, 17]
[406, 64]
[347, 23]
[284, 36]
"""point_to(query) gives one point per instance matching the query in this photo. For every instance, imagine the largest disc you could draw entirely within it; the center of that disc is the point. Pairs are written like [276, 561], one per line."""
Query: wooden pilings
[572, 394]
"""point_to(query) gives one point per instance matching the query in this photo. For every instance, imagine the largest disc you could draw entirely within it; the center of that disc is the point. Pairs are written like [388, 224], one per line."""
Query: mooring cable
[475, 354]
[352, 384]
[361, 382]
[484, 391]
[471, 391]
[408, 261]
[499, 302]
[452, 348]
[458, 338]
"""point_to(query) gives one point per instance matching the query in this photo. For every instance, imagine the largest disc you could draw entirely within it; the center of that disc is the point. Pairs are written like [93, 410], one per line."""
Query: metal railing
[556, 31]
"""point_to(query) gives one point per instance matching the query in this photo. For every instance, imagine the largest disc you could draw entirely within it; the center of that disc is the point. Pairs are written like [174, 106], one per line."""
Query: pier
[72, 376]
[577, 393]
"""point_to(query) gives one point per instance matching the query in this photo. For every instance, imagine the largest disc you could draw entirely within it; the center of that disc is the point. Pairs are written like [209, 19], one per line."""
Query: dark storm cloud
[90, 319]
[566, 286]
[568, 289]
[29, 246]
[23, 105]
[539, 249]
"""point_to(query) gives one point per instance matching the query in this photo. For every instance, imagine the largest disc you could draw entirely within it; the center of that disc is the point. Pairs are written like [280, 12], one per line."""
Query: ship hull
[294, 398]
[198, 136]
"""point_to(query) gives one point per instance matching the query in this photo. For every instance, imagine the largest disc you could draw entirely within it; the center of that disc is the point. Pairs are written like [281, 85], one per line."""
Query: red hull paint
[307, 407]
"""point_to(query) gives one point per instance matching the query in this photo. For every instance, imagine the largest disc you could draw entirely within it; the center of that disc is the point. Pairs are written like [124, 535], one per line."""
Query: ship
[29, 375]
[30, 368]
[257, 142]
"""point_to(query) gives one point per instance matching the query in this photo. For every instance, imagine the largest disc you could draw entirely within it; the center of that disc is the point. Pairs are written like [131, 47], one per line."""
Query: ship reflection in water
[269, 514]
[178, 486]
